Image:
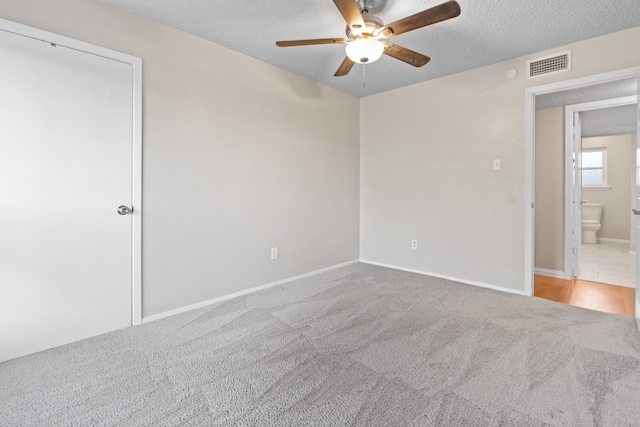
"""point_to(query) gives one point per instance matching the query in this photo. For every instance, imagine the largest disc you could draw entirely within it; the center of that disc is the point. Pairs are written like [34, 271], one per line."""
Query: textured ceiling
[486, 32]
[609, 121]
[614, 89]
[603, 121]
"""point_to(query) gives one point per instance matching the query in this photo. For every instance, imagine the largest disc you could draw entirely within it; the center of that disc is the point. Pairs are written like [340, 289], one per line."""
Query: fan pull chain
[364, 76]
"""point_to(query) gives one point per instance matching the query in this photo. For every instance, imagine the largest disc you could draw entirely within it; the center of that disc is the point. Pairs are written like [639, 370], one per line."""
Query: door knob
[635, 212]
[124, 210]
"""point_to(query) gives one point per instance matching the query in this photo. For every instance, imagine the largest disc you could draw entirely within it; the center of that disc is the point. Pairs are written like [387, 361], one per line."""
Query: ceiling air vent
[557, 63]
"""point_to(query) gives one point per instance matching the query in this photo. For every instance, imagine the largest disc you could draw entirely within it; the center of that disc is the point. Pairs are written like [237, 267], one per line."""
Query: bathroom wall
[617, 204]
[549, 197]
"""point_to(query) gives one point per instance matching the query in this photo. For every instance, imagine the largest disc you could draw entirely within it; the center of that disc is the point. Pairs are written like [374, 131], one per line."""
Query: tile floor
[608, 262]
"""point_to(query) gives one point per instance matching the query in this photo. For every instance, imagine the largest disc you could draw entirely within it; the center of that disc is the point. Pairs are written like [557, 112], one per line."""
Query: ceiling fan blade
[344, 68]
[351, 13]
[310, 42]
[436, 14]
[406, 55]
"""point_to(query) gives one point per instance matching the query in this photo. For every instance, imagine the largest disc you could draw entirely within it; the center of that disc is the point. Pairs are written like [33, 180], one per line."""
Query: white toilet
[591, 214]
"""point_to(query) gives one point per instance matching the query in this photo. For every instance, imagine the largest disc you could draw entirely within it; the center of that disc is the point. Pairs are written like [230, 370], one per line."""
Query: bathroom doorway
[557, 248]
[600, 177]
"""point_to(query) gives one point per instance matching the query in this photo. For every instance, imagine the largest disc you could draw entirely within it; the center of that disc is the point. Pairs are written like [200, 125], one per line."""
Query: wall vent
[557, 63]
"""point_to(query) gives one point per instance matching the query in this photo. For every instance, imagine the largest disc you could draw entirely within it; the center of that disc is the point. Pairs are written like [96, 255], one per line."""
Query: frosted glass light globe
[364, 50]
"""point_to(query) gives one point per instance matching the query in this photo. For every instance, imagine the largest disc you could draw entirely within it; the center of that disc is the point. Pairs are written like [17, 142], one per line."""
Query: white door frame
[569, 223]
[529, 155]
[575, 193]
[136, 166]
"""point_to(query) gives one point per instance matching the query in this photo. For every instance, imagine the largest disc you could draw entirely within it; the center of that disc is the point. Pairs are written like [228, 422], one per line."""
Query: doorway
[69, 176]
[605, 173]
[530, 103]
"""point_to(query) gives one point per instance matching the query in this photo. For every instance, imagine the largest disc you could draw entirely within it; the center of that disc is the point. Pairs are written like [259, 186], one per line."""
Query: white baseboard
[454, 279]
[612, 283]
[240, 293]
[606, 239]
[548, 273]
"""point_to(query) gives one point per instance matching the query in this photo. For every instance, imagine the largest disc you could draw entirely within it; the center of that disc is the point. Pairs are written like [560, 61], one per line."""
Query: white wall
[239, 156]
[426, 166]
[616, 202]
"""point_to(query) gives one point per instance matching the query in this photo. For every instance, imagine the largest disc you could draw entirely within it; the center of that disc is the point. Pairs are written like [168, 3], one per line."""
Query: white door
[577, 193]
[65, 168]
[636, 211]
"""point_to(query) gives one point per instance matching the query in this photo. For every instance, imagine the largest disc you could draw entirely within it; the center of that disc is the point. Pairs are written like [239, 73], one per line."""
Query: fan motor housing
[371, 24]
[371, 6]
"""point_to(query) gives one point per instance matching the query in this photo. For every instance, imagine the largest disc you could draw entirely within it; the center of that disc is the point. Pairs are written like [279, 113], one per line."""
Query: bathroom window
[594, 167]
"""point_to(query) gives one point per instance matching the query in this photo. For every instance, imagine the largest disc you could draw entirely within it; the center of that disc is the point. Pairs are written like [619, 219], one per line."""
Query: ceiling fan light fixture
[367, 36]
[364, 50]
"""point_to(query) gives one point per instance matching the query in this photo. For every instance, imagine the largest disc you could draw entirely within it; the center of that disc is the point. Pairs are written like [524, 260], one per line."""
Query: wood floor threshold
[587, 294]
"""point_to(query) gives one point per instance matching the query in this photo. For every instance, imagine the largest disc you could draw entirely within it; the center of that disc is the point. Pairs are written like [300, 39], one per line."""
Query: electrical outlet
[414, 244]
[496, 164]
[274, 253]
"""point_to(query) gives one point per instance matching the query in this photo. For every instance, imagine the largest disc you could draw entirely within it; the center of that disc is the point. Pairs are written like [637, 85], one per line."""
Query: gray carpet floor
[361, 345]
